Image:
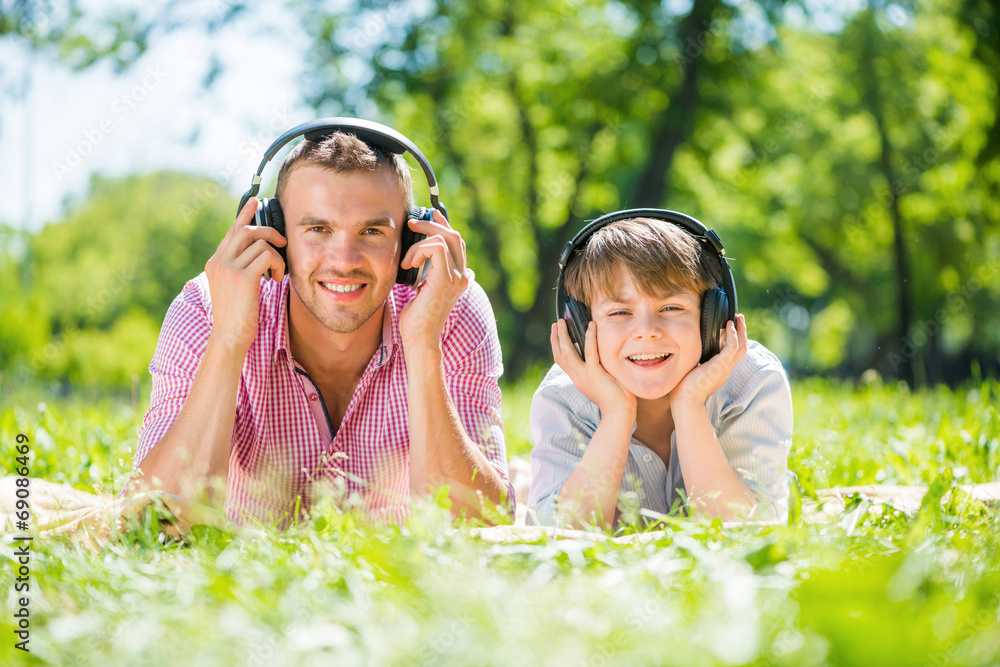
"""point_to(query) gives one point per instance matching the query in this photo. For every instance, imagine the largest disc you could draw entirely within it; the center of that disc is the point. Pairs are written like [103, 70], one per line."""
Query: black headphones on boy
[375, 135]
[718, 303]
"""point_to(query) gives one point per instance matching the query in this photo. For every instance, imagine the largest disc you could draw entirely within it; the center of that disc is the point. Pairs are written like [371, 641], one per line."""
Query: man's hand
[234, 273]
[422, 320]
[705, 378]
[589, 375]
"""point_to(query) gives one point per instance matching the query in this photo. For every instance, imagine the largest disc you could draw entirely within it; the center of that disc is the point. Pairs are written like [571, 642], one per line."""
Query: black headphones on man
[375, 135]
[718, 303]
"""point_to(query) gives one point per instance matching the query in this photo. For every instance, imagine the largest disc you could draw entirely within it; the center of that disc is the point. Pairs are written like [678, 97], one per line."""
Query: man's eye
[373, 231]
[317, 229]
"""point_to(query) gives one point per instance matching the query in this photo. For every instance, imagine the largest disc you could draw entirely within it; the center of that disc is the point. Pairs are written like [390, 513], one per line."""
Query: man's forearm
[192, 459]
[441, 452]
[712, 485]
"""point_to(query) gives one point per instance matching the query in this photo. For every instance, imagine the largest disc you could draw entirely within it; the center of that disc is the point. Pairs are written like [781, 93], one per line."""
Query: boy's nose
[647, 327]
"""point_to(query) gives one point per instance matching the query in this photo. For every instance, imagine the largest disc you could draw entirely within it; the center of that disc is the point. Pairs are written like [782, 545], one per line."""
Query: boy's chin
[650, 393]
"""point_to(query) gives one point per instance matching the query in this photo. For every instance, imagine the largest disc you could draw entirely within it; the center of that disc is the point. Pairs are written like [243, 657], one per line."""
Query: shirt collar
[390, 327]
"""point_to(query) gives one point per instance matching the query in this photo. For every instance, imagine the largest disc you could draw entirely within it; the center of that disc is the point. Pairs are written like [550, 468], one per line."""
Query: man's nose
[344, 251]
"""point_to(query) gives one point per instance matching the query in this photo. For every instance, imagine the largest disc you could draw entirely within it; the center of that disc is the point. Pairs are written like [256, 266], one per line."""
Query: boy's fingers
[741, 330]
[567, 348]
[554, 342]
[590, 344]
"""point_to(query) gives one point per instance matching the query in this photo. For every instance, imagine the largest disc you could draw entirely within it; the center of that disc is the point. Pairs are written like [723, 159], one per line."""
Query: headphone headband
[707, 237]
[372, 133]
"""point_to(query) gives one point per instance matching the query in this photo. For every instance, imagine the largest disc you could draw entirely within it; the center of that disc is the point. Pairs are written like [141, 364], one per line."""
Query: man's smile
[343, 288]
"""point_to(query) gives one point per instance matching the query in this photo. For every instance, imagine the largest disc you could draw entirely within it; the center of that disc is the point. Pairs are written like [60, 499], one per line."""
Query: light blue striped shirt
[751, 413]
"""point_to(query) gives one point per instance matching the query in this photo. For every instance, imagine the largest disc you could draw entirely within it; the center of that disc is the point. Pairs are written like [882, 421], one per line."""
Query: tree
[104, 277]
[536, 115]
[856, 155]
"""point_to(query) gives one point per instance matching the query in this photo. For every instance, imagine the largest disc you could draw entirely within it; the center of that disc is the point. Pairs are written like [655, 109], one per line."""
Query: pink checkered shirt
[284, 453]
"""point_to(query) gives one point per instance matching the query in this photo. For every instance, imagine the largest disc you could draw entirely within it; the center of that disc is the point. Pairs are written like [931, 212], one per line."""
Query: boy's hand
[589, 376]
[705, 378]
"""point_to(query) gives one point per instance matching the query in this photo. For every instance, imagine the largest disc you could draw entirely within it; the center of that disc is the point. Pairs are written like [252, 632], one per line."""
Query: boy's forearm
[713, 487]
[192, 459]
[594, 486]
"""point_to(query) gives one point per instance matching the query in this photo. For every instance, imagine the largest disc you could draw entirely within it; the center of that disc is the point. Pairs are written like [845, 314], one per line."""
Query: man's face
[648, 343]
[344, 232]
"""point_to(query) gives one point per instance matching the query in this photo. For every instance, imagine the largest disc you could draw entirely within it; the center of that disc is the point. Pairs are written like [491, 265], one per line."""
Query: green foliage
[847, 174]
[852, 169]
[98, 284]
[880, 587]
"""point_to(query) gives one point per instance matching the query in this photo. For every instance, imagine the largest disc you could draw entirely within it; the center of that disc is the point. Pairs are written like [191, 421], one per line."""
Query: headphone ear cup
[577, 317]
[714, 307]
[275, 217]
[409, 237]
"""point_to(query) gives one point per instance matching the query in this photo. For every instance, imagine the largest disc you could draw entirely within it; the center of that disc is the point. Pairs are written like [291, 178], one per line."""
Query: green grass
[877, 588]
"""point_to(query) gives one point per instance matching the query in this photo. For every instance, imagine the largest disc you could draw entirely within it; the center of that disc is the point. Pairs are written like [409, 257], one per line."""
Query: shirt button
[647, 457]
[313, 397]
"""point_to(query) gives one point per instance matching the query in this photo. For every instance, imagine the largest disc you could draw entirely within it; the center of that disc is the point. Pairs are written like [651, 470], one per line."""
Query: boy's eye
[672, 307]
[618, 312]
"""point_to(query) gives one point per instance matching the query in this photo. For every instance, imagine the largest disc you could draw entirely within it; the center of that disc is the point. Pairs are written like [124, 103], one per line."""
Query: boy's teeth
[343, 289]
[646, 357]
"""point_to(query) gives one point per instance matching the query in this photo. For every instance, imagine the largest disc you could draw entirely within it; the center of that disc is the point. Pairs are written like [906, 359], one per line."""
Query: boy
[637, 416]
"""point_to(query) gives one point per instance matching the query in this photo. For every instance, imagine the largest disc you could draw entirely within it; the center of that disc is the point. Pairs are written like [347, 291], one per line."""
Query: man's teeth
[647, 357]
[343, 289]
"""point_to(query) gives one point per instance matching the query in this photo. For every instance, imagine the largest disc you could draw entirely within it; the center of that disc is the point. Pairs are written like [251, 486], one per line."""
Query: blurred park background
[848, 154]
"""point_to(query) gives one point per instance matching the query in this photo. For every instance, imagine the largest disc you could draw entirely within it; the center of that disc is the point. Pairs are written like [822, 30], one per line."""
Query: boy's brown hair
[661, 258]
[345, 153]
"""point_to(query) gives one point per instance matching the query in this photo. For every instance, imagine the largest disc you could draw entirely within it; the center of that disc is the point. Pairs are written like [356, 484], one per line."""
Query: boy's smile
[647, 343]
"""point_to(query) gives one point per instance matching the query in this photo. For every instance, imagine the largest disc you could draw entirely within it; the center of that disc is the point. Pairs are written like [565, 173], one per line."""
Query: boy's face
[632, 323]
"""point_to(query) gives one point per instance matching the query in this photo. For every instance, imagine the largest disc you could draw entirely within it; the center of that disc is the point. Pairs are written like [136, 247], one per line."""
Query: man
[332, 378]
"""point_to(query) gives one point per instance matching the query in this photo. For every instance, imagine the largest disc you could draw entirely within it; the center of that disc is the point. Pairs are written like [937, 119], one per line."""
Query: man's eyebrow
[312, 221]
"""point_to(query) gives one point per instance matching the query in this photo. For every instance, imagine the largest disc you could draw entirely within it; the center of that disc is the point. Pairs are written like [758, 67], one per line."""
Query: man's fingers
[439, 227]
[432, 248]
[246, 214]
[234, 245]
[267, 259]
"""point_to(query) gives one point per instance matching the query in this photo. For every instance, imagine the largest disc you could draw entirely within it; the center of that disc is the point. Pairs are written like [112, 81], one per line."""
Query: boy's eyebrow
[615, 298]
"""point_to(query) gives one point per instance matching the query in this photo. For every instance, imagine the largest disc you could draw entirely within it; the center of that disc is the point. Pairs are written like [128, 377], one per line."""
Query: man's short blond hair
[345, 153]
